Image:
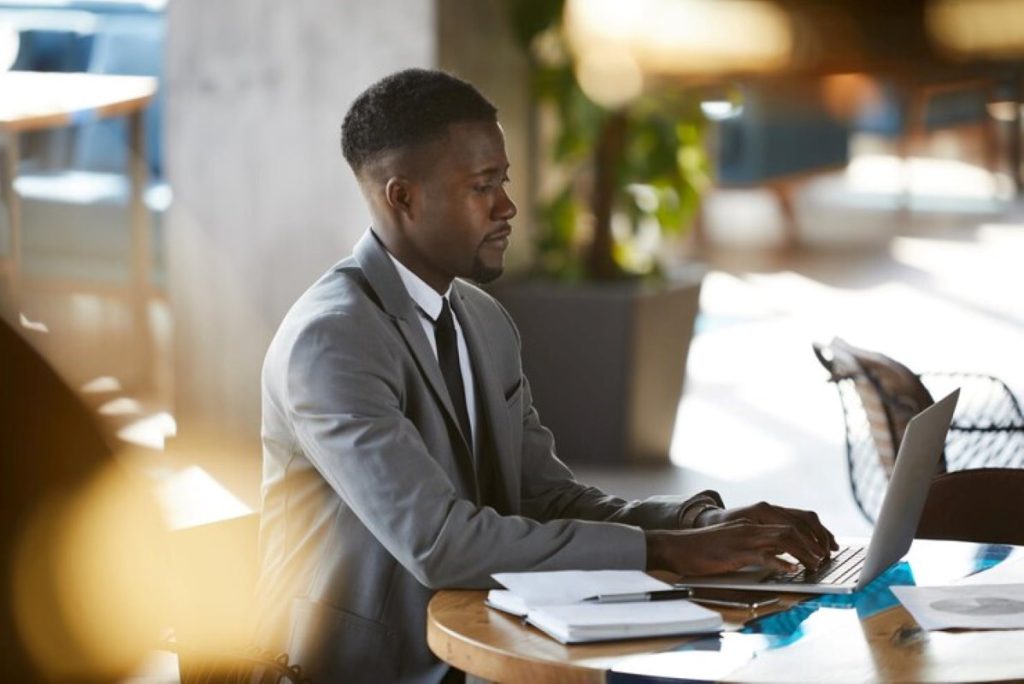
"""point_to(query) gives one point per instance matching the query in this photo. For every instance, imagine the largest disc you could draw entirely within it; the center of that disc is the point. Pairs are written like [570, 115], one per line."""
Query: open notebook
[553, 602]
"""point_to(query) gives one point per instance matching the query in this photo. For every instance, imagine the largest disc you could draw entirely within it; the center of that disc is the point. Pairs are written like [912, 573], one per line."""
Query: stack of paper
[554, 603]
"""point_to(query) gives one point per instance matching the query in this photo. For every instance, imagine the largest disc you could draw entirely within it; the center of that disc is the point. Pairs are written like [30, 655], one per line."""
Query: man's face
[461, 223]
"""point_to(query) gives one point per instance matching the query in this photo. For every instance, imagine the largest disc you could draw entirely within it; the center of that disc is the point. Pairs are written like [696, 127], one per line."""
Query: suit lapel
[383, 278]
[490, 393]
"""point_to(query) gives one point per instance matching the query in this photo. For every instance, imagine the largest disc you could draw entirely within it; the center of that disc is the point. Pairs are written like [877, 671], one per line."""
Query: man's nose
[506, 208]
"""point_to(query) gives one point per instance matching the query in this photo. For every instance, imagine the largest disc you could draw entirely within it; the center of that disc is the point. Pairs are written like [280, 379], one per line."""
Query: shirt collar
[424, 296]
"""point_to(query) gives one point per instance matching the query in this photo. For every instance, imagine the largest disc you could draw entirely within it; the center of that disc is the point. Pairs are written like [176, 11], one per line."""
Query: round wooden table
[866, 637]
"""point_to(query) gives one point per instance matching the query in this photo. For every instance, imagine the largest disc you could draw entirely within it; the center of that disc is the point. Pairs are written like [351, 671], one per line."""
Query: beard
[483, 274]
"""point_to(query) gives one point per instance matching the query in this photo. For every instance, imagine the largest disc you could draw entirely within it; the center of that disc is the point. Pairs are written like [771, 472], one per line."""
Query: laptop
[853, 567]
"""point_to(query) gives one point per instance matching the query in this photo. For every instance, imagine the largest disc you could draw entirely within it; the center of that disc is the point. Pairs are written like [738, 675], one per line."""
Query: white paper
[971, 606]
[1010, 571]
[572, 586]
[598, 621]
[505, 600]
[621, 616]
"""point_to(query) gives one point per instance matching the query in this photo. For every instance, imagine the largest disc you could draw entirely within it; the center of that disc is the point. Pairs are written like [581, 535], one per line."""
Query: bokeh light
[683, 37]
[90, 578]
[978, 28]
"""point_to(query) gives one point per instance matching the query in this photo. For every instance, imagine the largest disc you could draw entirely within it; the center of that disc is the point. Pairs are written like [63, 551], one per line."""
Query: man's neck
[426, 298]
[411, 260]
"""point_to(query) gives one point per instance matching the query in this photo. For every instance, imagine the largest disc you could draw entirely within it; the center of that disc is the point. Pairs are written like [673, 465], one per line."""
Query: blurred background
[704, 189]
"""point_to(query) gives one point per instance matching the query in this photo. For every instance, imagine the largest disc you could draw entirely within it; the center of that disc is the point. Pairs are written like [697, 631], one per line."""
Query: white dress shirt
[428, 304]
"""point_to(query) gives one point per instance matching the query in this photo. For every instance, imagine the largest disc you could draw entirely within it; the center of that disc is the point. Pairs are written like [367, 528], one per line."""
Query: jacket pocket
[332, 645]
[513, 392]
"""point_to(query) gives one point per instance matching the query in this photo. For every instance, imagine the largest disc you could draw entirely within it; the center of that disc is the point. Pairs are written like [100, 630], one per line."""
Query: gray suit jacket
[369, 491]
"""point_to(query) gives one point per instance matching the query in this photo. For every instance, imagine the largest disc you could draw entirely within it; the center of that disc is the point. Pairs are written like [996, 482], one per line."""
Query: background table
[35, 101]
[864, 637]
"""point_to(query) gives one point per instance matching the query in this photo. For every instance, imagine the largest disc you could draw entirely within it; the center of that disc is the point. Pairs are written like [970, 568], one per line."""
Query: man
[402, 451]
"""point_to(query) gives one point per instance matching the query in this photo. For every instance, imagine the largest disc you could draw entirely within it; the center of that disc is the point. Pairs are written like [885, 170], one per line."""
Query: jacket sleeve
[344, 396]
[550, 492]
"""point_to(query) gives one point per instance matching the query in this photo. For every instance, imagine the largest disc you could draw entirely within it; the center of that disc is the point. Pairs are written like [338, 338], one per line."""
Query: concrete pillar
[263, 200]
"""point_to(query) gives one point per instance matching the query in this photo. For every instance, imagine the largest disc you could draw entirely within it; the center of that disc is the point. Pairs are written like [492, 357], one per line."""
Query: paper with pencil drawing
[965, 606]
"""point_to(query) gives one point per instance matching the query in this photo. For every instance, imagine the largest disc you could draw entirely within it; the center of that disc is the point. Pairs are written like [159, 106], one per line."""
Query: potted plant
[606, 326]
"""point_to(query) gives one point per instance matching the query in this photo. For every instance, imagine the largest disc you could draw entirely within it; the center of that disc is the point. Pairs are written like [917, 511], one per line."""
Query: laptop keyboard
[842, 568]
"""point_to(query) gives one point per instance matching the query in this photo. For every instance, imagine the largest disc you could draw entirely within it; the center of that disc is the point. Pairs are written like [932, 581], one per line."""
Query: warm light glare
[720, 110]
[845, 95]
[102, 385]
[681, 37]
[978, 28]
[122, 406]
[214, 583]
[610, 78]
[34, 326]
[151, 431]
[193, 497]
[943, 178]
[1006, 111]
[90, 581]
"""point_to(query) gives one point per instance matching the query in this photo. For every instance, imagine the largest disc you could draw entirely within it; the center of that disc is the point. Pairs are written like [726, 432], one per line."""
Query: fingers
[773, 562]
[816, 534]
[746, 543]
[734, 522]
[810, 522]
[742, 541]
[789, 539]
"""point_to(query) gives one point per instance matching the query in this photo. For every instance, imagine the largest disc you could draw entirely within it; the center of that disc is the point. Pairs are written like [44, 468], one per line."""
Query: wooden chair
[245, 667]
[250, 666]
[978, 505]
[215, 571]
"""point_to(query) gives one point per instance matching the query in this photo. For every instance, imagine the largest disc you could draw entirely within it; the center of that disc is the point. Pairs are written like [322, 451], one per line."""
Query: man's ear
[398, 193]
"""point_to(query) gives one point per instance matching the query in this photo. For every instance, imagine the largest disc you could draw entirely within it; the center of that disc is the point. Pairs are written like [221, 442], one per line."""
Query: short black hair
[409, 108]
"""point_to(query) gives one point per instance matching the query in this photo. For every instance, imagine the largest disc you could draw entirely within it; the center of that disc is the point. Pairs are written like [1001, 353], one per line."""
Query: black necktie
[448, 358]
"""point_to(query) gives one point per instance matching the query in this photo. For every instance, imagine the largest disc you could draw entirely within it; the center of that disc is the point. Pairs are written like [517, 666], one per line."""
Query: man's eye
[490, 187]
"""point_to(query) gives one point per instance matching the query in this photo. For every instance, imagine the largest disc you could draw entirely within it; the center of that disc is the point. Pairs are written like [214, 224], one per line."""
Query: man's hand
[730, 539]
[805, 522]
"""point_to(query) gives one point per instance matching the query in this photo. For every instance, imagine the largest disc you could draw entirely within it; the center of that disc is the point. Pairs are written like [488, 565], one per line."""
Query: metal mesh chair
[880, 395]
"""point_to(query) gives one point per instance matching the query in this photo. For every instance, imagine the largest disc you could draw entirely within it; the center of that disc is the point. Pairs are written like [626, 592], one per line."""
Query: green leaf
[531, 17]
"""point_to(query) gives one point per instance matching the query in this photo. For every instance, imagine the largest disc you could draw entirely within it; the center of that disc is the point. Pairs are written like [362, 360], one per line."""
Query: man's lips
[497, 235]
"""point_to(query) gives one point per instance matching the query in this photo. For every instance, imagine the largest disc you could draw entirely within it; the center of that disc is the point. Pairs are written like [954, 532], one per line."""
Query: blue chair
[909, 110]
[50, 40]
[783, 135]
[77, 224]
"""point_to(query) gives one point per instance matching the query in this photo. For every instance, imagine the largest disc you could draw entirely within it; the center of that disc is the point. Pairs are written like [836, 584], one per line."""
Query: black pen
[661, 595]
[752, 604]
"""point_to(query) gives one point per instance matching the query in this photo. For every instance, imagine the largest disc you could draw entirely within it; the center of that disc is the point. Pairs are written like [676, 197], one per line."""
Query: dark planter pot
[606, 362]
